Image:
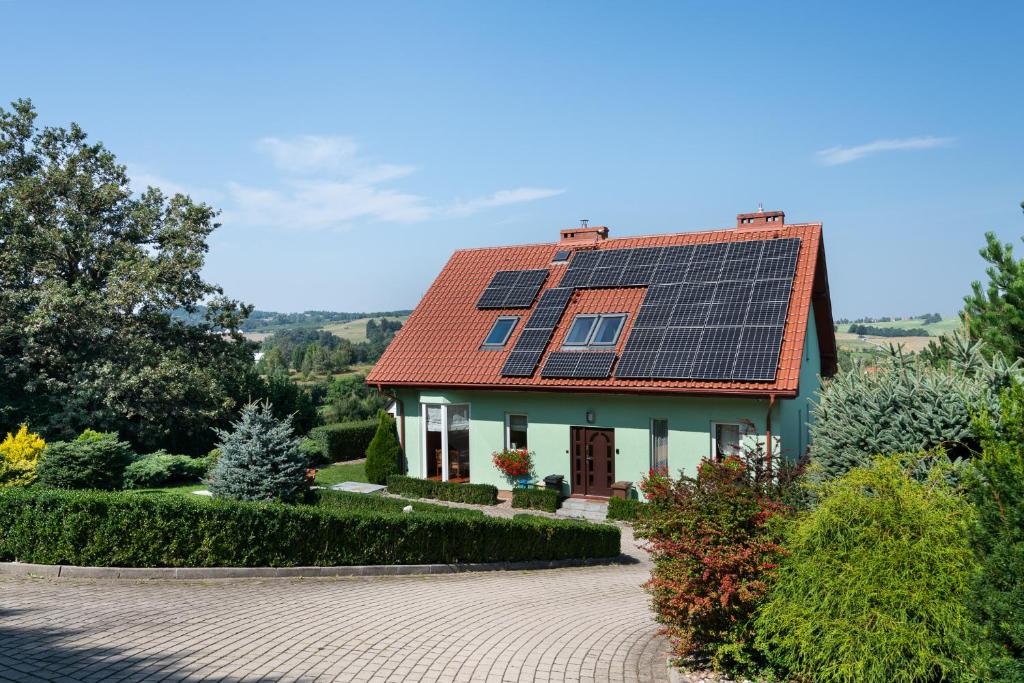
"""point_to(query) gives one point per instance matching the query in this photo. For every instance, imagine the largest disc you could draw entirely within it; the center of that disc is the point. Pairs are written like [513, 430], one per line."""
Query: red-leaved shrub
[715, 545]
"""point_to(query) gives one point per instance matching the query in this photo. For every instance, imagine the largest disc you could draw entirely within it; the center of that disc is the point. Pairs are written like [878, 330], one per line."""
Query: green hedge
[624, 509]
[123, 529]
[481, 494]
[344, 500]
[344, 440]
[163, 469]
[535, 499]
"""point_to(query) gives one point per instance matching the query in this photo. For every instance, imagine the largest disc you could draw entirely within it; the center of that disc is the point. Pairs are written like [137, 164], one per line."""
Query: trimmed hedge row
[481, 494]
[344, 440]
[346, 501]
[91, 528]
[535, 499]
[625, 510]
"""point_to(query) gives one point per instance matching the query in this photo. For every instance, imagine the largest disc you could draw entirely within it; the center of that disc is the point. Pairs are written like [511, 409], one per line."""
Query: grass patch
[342, 471]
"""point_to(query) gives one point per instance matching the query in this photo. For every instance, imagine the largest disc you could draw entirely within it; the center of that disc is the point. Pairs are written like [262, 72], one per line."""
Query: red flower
[513, 463]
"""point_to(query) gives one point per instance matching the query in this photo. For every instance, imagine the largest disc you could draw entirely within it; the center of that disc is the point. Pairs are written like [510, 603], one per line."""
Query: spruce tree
[260, 458]
[384, 451]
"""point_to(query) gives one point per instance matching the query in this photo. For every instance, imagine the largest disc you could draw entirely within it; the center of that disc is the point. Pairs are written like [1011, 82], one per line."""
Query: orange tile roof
[440, 345]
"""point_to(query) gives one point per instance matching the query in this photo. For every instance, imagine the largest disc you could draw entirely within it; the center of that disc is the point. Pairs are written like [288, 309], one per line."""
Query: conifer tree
[384, 451]
[260, 458]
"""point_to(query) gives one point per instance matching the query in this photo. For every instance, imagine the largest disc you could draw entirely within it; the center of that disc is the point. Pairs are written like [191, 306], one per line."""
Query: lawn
[187, 489]
[339, 472]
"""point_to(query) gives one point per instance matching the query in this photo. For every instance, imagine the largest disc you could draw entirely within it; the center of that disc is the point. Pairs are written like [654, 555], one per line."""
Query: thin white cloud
[142, 178]
[326, 183]
[834, 156]
[502, 198]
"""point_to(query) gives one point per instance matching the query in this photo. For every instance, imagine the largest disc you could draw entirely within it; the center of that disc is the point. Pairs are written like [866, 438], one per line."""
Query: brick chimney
[584, 234]
[759, 220]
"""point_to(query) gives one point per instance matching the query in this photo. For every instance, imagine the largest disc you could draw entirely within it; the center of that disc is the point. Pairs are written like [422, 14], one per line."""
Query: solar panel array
[536, 334]
[513, 289]
[579, 364]
[711, 311]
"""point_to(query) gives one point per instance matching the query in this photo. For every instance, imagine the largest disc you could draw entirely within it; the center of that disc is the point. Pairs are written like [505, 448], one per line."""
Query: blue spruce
[260, 458]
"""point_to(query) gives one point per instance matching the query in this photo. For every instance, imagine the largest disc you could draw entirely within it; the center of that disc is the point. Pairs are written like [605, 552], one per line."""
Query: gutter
[768, 431]
[649, 391]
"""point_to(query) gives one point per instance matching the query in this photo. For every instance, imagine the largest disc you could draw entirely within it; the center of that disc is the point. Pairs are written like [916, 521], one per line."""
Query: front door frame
[581, 462]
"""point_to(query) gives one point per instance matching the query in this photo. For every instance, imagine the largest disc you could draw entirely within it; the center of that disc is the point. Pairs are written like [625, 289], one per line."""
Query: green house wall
[550, 416]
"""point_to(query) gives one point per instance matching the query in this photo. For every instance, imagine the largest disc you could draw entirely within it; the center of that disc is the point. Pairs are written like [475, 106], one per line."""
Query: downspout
[401, 422]
[768, 430]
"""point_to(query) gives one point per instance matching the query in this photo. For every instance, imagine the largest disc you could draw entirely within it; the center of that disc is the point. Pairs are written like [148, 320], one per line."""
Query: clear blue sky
[353, 147]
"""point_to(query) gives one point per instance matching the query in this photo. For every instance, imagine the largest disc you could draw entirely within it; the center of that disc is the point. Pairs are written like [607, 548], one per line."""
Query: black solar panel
[578, 364]
[712, 311]
[512, 289]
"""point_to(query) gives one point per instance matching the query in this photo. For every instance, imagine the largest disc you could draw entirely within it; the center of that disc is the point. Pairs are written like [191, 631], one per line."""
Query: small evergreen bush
[876, 584]
[535, 499]
[384, 453]
[345, 440]
[19, 457]
[480, 494]
[715, 546]
[124, 529]
[314, 452]
[625, 509]
[95, 460]
[163, 469]
[259, 459]
[996, 486]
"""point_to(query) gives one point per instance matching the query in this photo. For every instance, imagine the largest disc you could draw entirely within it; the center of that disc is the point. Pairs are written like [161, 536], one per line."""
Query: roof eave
[760, 392]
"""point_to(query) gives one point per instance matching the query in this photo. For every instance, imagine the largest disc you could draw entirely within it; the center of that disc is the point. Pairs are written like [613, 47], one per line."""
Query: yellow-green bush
[877, 584]
[19, 455]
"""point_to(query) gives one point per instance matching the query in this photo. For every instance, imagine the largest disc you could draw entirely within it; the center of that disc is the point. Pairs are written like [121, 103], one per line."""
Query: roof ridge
[642, 237]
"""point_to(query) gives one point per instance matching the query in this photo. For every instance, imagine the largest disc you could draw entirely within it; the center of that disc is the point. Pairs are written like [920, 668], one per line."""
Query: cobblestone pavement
[584, 624]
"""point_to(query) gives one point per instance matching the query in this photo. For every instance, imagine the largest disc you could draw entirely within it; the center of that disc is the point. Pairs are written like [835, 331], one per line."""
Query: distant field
[947, 326]
[854, 342]
[355, 330]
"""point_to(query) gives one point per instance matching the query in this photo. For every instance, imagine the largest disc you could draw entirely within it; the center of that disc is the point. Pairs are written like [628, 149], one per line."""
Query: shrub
[625, 509]
[163, 469]
[314, 451]
[260, 459]
[535, 499]
[95, 460]
[480, 494]
[996, 486]
[907, 405]
[345, 440]
[19, 456]
[125, 529]
[876, 584]
[344, 500]
[384, 452]
[714, 547]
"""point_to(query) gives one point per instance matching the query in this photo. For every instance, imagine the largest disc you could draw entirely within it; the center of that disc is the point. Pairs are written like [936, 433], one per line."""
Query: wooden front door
[593, 461]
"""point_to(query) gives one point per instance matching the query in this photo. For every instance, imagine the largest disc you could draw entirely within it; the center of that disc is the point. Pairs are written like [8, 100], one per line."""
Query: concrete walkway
[585, 624]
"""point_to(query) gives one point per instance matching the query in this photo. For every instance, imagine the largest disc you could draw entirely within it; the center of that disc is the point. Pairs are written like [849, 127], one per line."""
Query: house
[606, 357]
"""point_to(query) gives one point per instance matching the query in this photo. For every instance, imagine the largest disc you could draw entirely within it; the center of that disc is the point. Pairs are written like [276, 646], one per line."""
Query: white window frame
[496, 345]
[740, 430]
[651, 439]
[508, 428]
[444, 436]
[589, 343]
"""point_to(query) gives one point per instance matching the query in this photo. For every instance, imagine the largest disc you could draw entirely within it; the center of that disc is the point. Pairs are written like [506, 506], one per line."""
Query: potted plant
[516, 464]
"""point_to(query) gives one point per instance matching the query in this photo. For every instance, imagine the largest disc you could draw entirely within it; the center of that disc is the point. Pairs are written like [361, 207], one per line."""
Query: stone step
[580, 508]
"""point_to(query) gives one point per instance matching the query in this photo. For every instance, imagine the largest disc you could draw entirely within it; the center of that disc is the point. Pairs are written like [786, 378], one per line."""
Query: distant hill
[272, 321]
[871, 344]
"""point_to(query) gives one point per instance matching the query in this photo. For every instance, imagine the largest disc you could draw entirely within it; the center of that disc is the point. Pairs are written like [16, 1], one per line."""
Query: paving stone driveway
[582, 624]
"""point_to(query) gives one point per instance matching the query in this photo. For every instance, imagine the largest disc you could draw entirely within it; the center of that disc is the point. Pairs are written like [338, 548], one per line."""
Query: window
[500, 331]
[659, 444]
[446, 441]
[595, 330]
[725, 439]
[515, 431]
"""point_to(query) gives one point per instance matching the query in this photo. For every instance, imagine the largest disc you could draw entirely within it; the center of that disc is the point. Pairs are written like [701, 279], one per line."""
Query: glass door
[446, 442]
